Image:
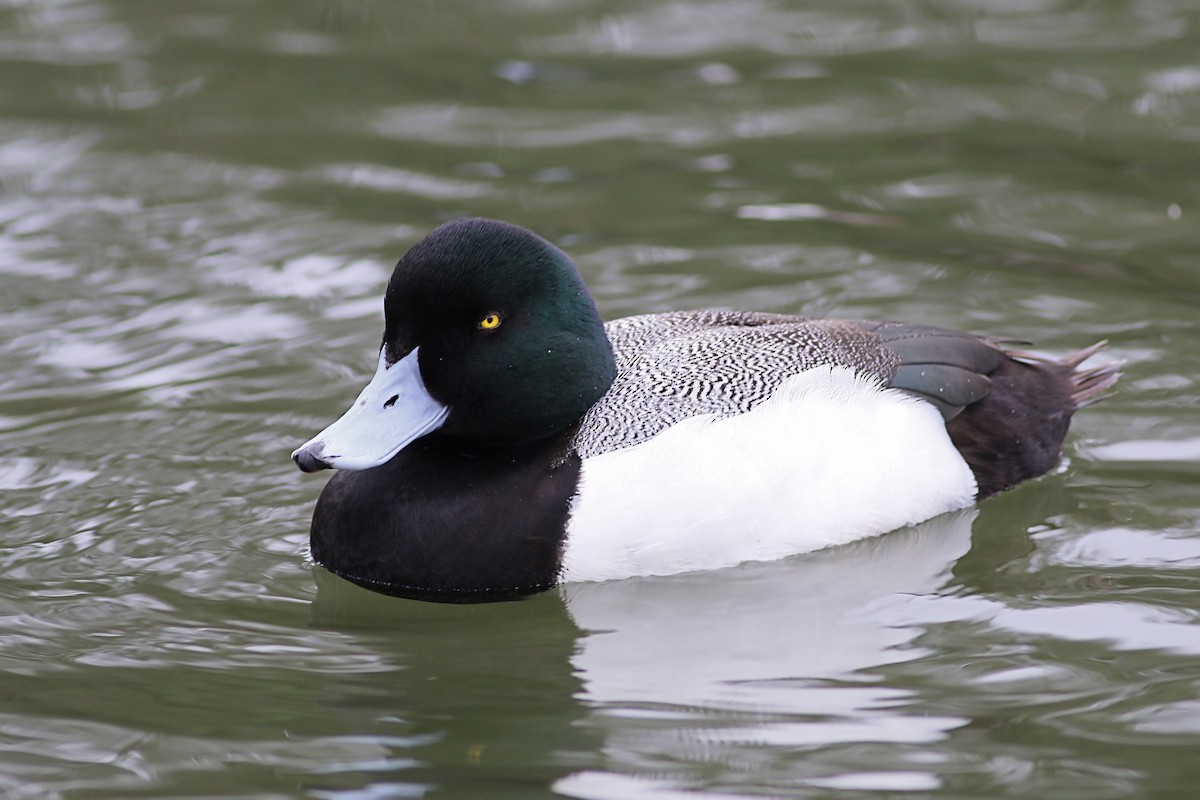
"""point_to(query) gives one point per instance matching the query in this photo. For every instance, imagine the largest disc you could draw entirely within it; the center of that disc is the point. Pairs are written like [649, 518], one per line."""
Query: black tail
[1016, 432]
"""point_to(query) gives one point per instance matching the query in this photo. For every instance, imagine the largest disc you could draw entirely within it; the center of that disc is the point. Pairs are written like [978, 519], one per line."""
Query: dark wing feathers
[922, 344]
[947, 368]
[948, 387]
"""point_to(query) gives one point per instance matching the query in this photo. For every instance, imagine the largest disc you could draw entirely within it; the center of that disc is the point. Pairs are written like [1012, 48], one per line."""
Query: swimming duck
[511, 441]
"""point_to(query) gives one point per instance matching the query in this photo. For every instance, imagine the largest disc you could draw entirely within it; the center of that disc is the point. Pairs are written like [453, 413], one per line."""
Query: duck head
[490, 338]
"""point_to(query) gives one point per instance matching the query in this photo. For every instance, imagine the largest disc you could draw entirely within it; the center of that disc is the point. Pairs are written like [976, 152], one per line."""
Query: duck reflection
[746, 667]
[746, 636]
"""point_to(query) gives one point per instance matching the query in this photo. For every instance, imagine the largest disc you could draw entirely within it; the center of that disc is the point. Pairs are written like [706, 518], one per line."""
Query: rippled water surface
[199, 206]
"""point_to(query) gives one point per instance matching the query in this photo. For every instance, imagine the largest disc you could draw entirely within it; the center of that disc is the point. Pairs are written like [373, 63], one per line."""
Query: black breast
[441, 523]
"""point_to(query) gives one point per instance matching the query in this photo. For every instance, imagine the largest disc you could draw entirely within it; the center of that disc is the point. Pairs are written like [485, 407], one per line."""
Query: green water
[199, 206]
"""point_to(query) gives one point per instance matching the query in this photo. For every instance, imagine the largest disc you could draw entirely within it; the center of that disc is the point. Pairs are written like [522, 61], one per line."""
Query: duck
[511, 441]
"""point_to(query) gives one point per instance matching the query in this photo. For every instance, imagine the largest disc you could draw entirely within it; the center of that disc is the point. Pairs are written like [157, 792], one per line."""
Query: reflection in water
[763, 636]
[459, 672]
[768, 654]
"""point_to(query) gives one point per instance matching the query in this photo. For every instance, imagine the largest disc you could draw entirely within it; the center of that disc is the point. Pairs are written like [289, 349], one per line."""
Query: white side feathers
[830, 458]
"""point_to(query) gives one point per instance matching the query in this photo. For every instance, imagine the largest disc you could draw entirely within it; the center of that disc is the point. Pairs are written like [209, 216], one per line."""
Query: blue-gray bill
[394, 410]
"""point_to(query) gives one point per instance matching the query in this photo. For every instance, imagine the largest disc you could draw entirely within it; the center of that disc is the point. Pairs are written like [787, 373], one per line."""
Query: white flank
[830, 458]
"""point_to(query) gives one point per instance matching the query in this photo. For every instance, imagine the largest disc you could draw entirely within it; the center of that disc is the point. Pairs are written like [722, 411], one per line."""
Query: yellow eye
[490, 322]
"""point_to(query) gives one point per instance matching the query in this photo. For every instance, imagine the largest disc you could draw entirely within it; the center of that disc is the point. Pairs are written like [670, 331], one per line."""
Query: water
[199, 206]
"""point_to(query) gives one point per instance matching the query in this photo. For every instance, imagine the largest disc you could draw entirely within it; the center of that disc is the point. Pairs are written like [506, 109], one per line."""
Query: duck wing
[947, 368]
[682, 364]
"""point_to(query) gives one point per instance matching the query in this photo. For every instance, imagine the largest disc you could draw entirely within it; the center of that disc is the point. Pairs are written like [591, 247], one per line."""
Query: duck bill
[393, 411]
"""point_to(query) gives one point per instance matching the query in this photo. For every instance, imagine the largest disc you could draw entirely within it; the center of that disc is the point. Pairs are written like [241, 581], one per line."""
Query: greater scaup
[511, 441]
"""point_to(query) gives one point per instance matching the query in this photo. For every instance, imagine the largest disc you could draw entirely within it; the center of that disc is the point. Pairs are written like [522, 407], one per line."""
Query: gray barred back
[685, 363]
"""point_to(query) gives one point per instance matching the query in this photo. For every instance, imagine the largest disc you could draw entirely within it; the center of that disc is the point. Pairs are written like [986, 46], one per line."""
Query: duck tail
[1093, 384]
[1088, 386]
